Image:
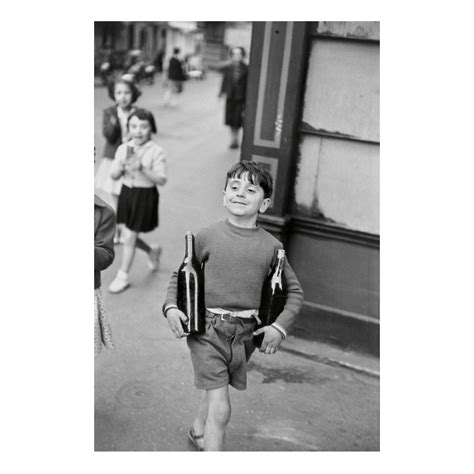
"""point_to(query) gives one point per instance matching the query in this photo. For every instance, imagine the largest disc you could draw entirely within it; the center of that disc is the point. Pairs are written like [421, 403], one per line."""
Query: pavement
[309, 396]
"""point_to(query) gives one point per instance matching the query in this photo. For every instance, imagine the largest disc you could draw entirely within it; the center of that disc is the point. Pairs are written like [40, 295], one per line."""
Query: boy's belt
[231, 316]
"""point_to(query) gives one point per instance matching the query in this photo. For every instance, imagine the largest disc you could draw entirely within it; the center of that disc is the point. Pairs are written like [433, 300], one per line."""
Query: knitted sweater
[237, 261]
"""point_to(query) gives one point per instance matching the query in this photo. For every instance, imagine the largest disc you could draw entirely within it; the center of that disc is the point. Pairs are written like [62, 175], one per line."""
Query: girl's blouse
[150, 155]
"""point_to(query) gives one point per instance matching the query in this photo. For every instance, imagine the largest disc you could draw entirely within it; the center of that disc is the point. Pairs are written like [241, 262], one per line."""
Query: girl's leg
[128, 249]
[154, 253]
[218, 418]
[120, 282]
[142, 245]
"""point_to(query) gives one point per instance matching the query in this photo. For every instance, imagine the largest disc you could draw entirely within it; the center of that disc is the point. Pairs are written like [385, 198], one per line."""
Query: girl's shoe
[193, 437]
[154, 258]
[120, 283]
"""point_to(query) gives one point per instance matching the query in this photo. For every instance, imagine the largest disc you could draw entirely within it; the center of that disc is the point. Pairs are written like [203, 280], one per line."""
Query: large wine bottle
[273, 297]
[191, 289]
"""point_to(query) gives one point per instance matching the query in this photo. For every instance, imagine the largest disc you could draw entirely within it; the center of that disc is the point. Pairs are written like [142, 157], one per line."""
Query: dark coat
[112, 131]
[234, 91]
[104, 231]
[175, 70]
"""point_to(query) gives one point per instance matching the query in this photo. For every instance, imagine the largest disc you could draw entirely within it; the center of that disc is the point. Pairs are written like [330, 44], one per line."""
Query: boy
[238, 255]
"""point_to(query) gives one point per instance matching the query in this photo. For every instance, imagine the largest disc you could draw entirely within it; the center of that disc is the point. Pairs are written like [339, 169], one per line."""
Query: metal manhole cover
[139, 395]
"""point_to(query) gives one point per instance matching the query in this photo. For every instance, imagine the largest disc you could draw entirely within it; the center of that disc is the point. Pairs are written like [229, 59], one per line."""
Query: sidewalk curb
[333, 362]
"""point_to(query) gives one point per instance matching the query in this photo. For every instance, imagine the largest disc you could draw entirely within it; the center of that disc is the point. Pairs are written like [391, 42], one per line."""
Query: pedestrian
[176, 78]
[238, 255]
[114, 126]
[234, 88]
[104, 230]
[141, 162]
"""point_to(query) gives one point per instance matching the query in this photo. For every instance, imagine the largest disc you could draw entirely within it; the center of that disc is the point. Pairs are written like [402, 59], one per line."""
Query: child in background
[238, 256]
[124, 94]
[104, 230]
[141, 162]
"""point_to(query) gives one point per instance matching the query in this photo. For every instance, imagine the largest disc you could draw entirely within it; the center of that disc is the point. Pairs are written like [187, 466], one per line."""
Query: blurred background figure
[114, 128]
[234, 86]
[176, 77]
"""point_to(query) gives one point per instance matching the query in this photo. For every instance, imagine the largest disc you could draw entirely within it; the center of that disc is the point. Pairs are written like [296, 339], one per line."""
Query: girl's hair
[237, 47]
[255, 173]
[144, 114]
[136, 93]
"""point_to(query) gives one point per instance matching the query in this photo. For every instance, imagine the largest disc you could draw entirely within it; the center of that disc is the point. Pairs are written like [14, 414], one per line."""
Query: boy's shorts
[220, 355]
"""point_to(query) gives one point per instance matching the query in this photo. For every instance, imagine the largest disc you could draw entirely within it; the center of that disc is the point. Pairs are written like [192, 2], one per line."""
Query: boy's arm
[294, 300]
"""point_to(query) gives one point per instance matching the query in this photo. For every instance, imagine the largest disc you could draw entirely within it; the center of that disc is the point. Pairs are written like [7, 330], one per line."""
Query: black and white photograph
[282, 237]
[236, 236]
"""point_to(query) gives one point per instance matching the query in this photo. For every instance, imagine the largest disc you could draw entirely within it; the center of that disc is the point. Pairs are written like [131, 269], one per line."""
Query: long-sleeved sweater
[237, 260]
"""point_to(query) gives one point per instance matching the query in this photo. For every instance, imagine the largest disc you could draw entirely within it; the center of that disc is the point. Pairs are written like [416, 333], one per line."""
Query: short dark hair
[136, 93]
[144, 114]
[176, 50]
[256, 174]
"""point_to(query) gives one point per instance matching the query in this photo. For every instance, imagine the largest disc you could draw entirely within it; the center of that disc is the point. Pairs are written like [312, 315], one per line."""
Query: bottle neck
[189, 248]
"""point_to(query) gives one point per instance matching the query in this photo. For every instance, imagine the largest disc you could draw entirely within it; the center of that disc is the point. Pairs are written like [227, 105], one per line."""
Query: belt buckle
[228, 317]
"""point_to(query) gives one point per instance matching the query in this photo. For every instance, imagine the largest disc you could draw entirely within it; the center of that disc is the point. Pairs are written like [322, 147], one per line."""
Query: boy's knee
[220, 412]
[130, 237]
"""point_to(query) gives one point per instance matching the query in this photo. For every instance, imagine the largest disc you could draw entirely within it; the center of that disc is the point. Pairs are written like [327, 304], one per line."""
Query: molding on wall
[317, 228]
[308, 129]
[336, 312]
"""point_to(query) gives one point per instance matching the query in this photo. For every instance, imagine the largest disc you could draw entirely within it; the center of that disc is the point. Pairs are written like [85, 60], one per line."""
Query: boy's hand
[271, 340]
[175, 319]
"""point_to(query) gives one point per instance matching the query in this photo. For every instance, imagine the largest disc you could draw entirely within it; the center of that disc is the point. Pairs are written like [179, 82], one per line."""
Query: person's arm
[104, 240]
[222, 92]
[157, 172]
[111, 126]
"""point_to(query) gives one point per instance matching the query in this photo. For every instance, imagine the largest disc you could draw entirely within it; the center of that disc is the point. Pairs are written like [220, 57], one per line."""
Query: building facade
[312, 117]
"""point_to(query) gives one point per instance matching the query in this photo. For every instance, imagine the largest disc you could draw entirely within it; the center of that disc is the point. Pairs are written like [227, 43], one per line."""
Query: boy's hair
[136, 93]
[176, 50]
[144, 114]
[256, 174]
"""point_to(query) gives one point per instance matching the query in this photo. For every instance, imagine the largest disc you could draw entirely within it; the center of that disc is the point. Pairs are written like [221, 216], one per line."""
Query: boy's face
[242, 198]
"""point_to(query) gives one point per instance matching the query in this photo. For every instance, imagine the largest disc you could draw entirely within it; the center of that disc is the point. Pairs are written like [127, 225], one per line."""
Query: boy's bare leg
[217, 418]
[200, 421]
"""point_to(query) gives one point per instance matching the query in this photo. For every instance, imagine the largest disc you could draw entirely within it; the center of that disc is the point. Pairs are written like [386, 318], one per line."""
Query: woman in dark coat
[176, 77]
[234, 87]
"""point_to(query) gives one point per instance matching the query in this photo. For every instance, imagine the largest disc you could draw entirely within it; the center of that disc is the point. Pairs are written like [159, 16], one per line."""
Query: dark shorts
[137, 208]
[220, 355]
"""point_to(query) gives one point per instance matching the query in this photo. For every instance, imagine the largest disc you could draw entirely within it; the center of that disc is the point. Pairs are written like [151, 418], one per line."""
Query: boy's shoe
[120, 282]
[193, 437]
[154, 258]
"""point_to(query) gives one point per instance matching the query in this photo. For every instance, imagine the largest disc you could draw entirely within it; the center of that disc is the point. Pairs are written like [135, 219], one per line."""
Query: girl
[124, 93]
[142, 164]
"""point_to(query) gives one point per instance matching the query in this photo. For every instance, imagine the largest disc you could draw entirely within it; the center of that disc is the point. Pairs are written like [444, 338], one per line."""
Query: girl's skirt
[138, 208]
[103, 180]
[102, 331]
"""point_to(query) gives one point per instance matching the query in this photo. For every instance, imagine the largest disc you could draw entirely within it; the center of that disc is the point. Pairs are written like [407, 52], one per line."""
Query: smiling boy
[238, 256]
